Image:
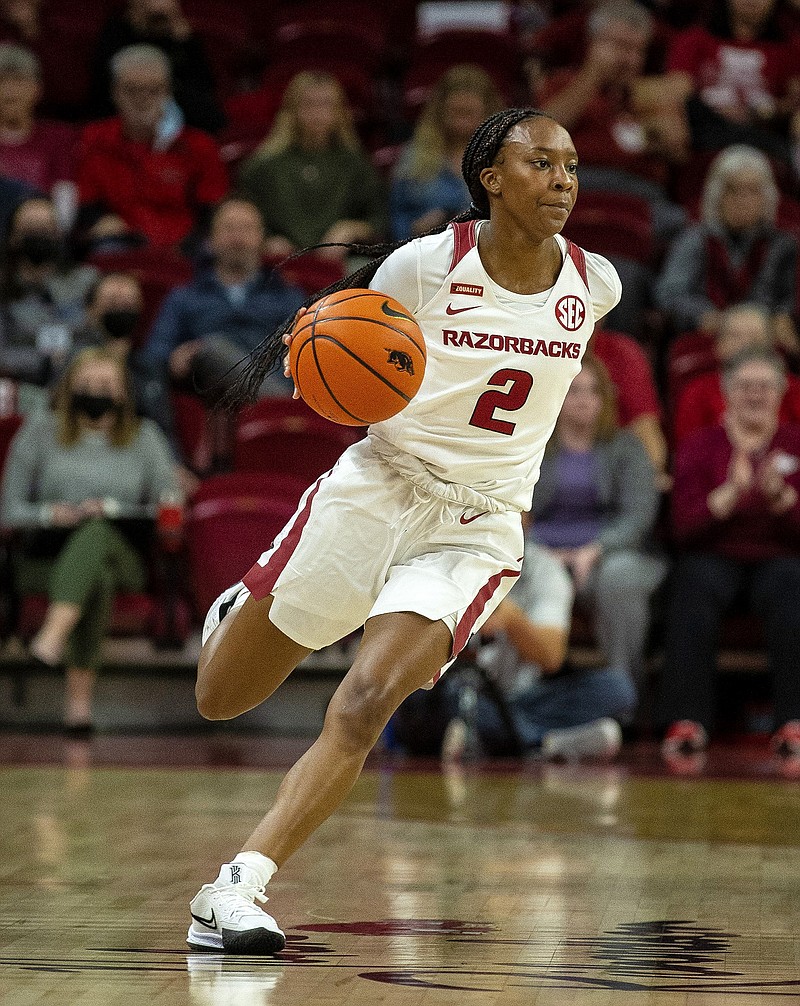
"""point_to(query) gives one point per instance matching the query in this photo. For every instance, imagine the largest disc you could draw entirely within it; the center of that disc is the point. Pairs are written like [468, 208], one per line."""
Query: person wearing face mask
[42, 297]
[160, 23]
[114, 306]
[79, 481]
[144, 175]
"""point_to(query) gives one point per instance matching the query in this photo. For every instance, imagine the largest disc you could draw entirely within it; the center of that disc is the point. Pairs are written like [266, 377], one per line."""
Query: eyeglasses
[751, 385]
[143, 90]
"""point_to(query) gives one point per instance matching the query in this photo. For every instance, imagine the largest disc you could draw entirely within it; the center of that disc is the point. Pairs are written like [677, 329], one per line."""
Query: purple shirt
[574, 516]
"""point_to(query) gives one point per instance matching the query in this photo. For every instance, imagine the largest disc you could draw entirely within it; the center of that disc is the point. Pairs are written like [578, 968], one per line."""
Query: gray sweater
[39, 472]
[626, 489]
[681, 287]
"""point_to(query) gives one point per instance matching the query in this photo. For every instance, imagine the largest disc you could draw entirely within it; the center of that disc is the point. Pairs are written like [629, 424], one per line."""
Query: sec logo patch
[570, 313]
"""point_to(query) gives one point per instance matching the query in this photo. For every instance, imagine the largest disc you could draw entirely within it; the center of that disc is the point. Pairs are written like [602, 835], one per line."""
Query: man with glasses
[143, 175]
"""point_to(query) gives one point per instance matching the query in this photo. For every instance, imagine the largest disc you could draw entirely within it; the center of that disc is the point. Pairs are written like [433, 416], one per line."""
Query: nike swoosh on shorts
[468, 520]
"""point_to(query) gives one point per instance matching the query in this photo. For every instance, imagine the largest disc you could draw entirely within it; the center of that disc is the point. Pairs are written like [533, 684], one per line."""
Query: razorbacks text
[512, 344]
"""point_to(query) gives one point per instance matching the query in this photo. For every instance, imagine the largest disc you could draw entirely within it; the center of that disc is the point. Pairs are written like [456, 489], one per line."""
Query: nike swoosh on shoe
[211, 923]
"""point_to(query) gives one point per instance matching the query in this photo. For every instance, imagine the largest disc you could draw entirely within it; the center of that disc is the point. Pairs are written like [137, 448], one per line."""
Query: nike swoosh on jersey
[460, 310]
[468, 520]
[211, 923]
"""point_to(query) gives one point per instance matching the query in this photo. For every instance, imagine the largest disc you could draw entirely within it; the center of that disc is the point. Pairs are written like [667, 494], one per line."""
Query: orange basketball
[357, 357]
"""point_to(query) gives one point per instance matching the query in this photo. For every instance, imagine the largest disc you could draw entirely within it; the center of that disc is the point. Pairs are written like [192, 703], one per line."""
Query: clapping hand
[770, 480]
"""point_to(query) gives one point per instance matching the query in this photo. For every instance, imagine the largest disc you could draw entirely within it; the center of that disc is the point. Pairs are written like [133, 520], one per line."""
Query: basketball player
[416, 531]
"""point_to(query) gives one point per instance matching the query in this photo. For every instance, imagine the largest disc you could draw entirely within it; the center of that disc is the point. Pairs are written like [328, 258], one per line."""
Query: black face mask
[94, 406]
[38, 249]
[121, 323]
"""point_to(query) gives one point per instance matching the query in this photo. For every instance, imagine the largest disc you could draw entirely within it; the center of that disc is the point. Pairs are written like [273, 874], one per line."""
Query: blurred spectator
[12, 193]
[702, 402]
[80, 484]
[144, 175]
[309, 178]
[546, 700]
[159, 23]
[42, 293]
[741, 76]
[594, 507]
[428, 187]
[40, 153]
[21, 20]
[735, 253]
[638, 407]
[205, 329]
[114, 305]
[736, 517]
[626, 126]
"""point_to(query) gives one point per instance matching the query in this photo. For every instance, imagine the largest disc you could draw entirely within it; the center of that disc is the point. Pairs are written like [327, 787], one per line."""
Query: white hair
[132, 57]
[753, 354]
[730, 162]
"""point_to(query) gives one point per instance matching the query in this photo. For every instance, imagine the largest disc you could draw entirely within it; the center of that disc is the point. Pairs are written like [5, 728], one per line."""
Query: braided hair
[481, 152]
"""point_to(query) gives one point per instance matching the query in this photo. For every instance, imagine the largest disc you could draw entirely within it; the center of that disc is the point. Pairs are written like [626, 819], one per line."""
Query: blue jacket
[203, 308]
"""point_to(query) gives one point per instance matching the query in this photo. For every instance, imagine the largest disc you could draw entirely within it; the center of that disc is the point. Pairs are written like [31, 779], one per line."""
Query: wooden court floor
[496, 884]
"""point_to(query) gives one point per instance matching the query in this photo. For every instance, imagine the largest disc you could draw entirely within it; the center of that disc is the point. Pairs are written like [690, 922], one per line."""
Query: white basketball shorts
[365, 542]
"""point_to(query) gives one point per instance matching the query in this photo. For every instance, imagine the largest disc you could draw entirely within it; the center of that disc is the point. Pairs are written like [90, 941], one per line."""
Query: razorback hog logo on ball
[570, 313]
[400, 361]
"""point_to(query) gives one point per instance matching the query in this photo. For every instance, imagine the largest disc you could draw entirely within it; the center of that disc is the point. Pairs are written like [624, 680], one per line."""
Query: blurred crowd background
[160, 163]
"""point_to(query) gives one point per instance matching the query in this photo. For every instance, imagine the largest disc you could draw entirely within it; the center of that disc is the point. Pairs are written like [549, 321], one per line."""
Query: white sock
[261, 865]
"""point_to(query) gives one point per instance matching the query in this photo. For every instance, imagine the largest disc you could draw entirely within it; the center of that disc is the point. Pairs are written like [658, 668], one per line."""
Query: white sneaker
[224, 916]
[597, 739]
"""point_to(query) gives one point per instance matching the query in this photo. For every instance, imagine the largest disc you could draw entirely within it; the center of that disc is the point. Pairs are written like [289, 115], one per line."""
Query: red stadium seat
[191, 429]
[231, 520]
[310, 272]
[688, 356]
[613, 223]
[495, 52]
[365, 22]
[284, 435]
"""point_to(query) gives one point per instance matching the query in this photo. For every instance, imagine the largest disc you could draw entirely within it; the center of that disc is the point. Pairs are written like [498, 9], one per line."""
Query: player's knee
[212, 703]
[359, 711]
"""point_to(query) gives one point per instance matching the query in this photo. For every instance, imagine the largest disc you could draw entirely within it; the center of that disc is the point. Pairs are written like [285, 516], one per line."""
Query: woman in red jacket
[736, 515]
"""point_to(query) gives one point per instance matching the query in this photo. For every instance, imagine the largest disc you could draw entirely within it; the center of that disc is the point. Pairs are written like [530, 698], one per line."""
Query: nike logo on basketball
[468, 520]
[460, 310]
[391, 313]
[211, 923]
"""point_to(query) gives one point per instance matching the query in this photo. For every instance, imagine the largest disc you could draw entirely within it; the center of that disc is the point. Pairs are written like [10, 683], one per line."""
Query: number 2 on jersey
[510, 400]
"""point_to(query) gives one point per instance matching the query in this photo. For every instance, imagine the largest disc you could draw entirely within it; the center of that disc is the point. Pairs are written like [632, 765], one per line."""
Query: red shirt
[46, 157]
[607, 133]
[157, 193]
[630, 373]
[752, 532]
[702, 403]
[728, 73]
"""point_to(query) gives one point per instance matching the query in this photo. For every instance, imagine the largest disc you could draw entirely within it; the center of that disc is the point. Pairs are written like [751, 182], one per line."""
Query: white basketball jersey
[499, 364]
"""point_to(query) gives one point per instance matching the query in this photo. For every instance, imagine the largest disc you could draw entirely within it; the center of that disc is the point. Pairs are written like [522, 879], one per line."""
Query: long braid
[480, 153]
